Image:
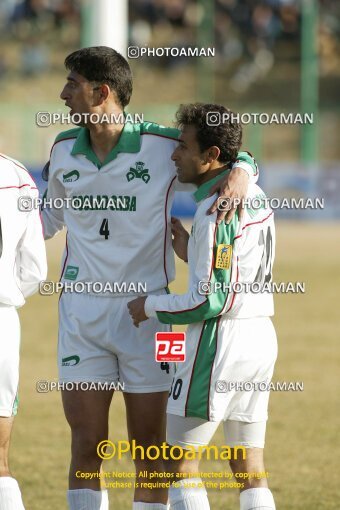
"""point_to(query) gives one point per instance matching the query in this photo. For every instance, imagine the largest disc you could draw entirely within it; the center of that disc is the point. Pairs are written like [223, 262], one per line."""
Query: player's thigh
[244, 368]
[248, 435]
[146, 417]
[85, 351]
[247, 441]
[189, 432]
[190, 389]
[135, 349]
[9, 360]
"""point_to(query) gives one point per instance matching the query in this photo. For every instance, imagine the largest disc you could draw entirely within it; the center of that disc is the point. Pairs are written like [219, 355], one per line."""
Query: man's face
[79, 94]
[188, 157]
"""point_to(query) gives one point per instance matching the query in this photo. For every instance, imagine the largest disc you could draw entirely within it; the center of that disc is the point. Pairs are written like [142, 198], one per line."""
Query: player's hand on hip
[180, 239]
[232, 191]
[136, 310]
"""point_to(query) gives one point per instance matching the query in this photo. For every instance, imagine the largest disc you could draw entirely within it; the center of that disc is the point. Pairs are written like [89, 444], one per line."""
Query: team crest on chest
[139, 172]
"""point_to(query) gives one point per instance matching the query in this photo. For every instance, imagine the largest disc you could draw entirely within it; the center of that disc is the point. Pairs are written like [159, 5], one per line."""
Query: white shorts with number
[9, 360]
[221, 356]
[99, 343]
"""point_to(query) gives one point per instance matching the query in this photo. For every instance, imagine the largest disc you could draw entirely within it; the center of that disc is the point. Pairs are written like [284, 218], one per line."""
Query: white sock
[10, 495]
[257, 499]
[87, 499]
[139, 505]
[188, 498]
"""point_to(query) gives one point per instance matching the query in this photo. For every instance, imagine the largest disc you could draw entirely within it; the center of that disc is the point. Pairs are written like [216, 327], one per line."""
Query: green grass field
[303, 429]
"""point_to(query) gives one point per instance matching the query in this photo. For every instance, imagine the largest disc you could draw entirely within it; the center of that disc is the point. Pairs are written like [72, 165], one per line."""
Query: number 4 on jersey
[165, 366]
[104, 228]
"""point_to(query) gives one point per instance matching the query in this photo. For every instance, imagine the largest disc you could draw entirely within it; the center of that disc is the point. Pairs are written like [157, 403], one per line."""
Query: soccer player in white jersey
[22, 267]
[118, 230]
[230, 340]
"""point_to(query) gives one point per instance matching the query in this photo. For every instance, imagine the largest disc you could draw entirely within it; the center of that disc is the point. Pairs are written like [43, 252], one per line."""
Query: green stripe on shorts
[198, 394]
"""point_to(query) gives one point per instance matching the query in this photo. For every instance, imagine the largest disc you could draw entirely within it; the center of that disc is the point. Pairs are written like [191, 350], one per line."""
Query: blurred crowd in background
[35, 28]
[250, 35]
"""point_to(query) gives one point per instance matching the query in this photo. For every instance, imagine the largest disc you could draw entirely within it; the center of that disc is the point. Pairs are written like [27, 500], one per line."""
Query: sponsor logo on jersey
[71, 273]
[71, 361]
[223, 256]
[170, 346]
[71, 176]
[138, 173]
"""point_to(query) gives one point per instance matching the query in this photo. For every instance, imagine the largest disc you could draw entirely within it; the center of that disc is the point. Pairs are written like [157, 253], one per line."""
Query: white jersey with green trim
[117, 213]
[22, 249]
[230, 266]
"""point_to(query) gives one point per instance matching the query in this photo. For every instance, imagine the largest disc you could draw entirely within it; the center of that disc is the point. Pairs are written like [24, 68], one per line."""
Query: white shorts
[195, 432]
[99, 343]
[221, 356]
[9, 360]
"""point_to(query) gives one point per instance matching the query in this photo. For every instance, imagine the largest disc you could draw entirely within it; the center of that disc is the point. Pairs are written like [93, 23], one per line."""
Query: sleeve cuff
[150, 306]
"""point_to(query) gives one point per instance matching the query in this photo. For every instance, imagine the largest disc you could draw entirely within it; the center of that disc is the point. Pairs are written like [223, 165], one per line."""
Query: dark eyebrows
[70, 79]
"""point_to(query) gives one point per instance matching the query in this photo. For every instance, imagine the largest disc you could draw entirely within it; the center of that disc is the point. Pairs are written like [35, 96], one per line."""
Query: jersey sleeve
[52, 217]
[246, 161]
[31, 257]
[199, 303]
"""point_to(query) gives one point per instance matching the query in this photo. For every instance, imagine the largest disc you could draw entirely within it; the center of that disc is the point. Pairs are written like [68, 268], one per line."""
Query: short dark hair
[103, 65]
[226, 135]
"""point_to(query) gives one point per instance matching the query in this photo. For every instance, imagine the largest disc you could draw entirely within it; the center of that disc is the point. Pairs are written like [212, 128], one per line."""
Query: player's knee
[174, 466]
[150, 438]
[85, 443]
[237, 465]
[244, 465]
[147, 450]
[249, 470]
[150, 466]
[4, 468]
[4, 446]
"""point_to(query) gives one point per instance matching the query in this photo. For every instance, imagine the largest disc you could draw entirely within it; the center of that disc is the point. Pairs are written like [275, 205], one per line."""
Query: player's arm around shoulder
[152, 128]
[201, 302]
[233, 188]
